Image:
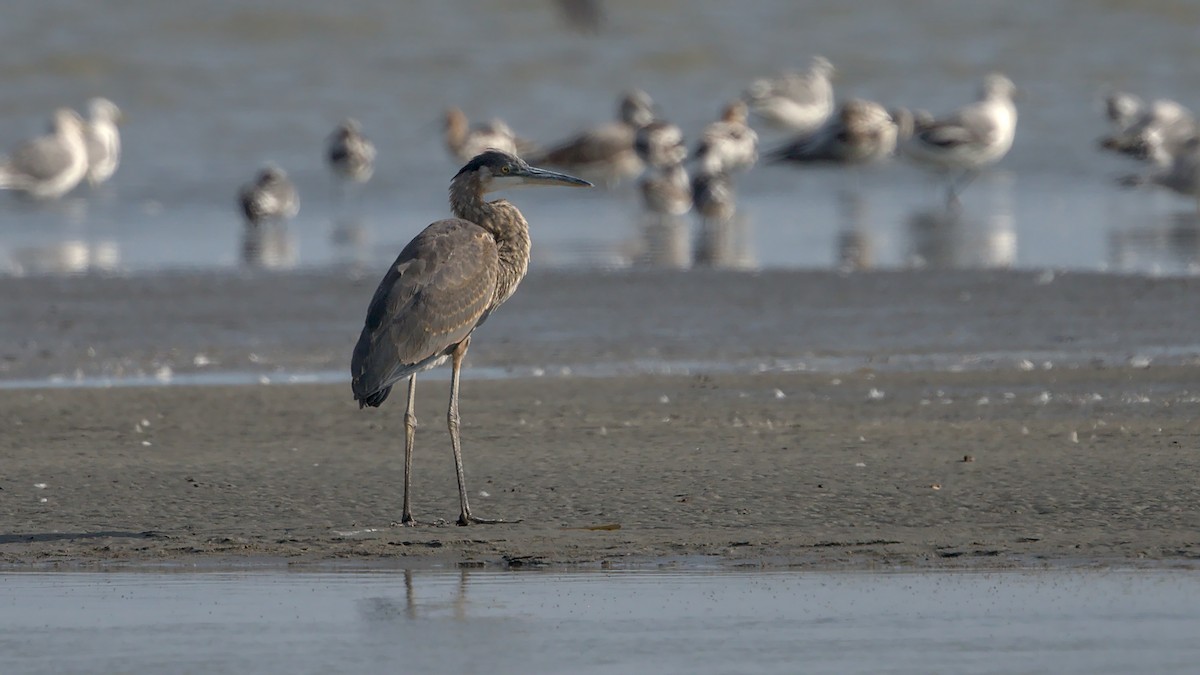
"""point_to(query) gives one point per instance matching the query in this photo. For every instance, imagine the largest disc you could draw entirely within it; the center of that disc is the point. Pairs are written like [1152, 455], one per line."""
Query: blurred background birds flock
[153, 136]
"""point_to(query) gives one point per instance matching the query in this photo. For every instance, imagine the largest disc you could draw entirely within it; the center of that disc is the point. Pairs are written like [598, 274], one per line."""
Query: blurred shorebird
[667, 191]
[350, 155]
[269, 197]
[1182, 175]
[1122, 110]
[972, 137]
[861, 132]
[465, 142]
[605, 154]
[728, 144]
[660, 144]
[103, 140]
[795, 102]
[48, 167]
[1159, 130]
[444, 285]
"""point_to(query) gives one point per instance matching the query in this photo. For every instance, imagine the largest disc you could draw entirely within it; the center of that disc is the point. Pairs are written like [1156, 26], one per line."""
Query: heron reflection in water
[444, 285]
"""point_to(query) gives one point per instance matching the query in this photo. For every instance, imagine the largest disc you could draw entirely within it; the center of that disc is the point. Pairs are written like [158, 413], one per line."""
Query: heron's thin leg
[464, 516]
[410, 432]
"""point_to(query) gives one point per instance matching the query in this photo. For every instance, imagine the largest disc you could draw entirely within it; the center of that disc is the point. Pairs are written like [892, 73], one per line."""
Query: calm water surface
[212, 90]
[651, 622]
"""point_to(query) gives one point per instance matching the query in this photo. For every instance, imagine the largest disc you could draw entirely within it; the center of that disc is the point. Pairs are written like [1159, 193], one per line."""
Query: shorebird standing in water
[605, 154]
[728, 144]
[974, 136]
[465, 142]
[270, 196]
[795, 102]
[861, 132]
[1181, 175]
[444, 285]
[50, 166]
[267, 203]
[103, 140]
[1159, 130]
[349, 154]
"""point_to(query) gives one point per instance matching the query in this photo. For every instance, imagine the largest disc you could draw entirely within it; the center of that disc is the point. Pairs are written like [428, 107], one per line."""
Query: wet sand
[975, 418]
[1087, 466]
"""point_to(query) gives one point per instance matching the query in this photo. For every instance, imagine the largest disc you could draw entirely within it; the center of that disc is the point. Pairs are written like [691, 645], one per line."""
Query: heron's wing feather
[430, 300]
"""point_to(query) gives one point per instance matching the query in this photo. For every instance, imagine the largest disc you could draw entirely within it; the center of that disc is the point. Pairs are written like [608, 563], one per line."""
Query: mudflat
[1085, 465]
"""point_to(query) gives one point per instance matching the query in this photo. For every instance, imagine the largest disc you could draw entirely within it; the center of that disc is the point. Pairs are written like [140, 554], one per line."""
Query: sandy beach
[775, 469]
[1087, 460]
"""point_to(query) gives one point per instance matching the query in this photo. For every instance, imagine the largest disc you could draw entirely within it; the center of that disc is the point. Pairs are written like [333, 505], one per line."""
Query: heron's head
[349, 127]
[104, 110]
[496, 170]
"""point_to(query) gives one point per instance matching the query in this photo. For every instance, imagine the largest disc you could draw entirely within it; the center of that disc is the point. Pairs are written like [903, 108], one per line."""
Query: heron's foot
[468, 519]
[406, 521]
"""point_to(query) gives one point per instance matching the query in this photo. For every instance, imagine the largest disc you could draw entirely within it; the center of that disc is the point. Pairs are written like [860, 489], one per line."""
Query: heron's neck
[506, 225]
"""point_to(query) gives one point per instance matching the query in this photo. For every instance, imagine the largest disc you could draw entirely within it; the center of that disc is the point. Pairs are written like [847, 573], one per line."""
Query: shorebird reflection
[948, 238]
[1172, 244]
[269, 246]
[855, 242]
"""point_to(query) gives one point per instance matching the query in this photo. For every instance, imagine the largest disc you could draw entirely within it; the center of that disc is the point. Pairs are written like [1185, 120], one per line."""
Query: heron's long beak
[535, 176]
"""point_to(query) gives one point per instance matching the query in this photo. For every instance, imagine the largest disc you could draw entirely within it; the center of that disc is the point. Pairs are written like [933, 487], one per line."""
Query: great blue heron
[970, 138]
[350, 155]
[729, 144]
[861, 132]
[444, 285]
[103, 140]
[49, 166]
[270, 196]
[465, 142]
[796, 102]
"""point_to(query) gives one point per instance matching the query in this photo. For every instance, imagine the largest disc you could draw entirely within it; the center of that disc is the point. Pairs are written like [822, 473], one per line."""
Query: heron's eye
[505, 169]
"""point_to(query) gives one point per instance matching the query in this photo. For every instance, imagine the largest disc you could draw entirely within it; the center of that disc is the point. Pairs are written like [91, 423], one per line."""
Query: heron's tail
[373, 399]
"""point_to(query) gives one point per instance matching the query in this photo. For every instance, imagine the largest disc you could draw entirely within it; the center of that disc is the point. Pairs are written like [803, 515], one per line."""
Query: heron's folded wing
[430, 300]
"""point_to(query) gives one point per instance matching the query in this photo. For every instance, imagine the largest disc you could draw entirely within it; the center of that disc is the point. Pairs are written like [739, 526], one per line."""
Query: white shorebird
[48, 167]
[1158, 131]
[350, 155]
[465, 142]
[861, 132]
[1182, 175]
[796, 102]
[728, 144]
[974, 136]
[103, 140]
[271, 196]
[605, 154]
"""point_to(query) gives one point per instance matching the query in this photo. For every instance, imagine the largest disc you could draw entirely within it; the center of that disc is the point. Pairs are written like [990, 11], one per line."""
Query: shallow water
[212, 91]
[430, 621]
